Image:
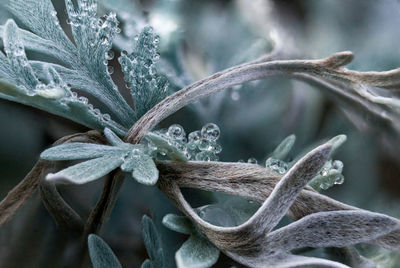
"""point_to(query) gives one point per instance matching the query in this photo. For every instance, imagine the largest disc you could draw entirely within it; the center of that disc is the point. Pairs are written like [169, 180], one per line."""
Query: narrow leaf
[144, 169]
[79, 150]
[283, 149]
[87, 171]
[112, 138]
[196, 252]
[288, 188]
[333, 229]
[152, 242]
[180, 224]
[160, 142]
[101, 254]
[147, 264]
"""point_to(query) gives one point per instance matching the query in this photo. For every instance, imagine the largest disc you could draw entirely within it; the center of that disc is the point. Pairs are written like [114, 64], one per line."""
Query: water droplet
[210, 132]
[176, 132]
[109, 55]
[106, 117]
[194, 136]
[276, 165]
[148, 63]
[203, 145]
[110, 69]
[96, 112]
[84, 100]
[252, 160]
[339, 179]
[235, 96]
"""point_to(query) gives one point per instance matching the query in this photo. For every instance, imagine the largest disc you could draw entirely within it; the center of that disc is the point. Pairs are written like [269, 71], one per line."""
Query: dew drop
[109, 55]
[176, 132]
[110, 69]
[84, 100]
[210, 132]
[194, 136]
[276, 165]
[252, 160]
[204, 145]
[106, 117]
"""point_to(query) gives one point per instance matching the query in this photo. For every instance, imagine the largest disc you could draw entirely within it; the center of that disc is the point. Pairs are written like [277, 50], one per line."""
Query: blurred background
[199, 38]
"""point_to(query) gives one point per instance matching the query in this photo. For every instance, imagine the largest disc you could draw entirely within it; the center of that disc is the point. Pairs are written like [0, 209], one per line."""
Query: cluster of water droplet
[199, 145]
[276, 165]
[97, 32]
[139, 68]
[330, 174]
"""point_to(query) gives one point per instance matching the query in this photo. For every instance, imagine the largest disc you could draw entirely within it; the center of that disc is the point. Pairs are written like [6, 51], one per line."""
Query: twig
[20, 193]
[65, 217]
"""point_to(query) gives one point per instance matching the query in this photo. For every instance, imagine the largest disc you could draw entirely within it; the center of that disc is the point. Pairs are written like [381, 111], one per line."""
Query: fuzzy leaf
[337, 142]
[17, 59]
[144, 169]
[79, 150]
[333, 229]
[146, 87]
[196, 252]
[283, 149]
[180, 224]
[40, 17]
[101, 254]
[288, 188]
[147, 264]
[112, 138]
[83, 64]
[88, 171]
[152, 242]
[162, 142]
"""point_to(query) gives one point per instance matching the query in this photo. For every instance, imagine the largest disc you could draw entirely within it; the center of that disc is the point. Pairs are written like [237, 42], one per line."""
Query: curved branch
[65, 217]
[20, 193]
[324, 72]
[249, 181]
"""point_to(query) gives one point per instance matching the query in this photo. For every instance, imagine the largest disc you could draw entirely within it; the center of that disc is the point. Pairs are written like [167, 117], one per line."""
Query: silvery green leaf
[112, 138]
[101, 254]
[17, 59]
[152, 242]
[180, 224]
[78, 150]
[284, 260]
[40, 17]
[196, 252]
[83, 65]
[146, 87]
[144, 169]
[162, 142]
[336, 142]
[72, 108]
[35, 43]
[147, 264]
[89, 170]
[283, 149]
[333, 229]
[288, 188]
